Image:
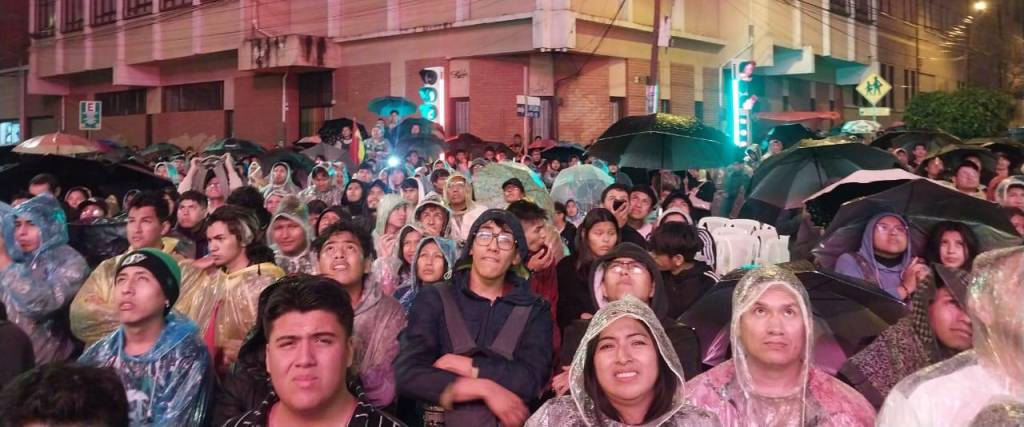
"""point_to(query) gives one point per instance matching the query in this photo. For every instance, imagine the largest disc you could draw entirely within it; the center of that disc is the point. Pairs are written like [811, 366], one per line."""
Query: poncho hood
[46, 213]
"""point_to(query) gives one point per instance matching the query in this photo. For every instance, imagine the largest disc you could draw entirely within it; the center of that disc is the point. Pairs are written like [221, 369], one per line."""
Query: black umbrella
[328, 152]
[300, 164]
[158, 151]
[663, 141]
[238, 148]
[427, 145]
[854, 312]
[1013, 150]
[405, 128]
[824, 204]
[790, 134]
[563, 151]
[469, 143]
[953, 155]
[103, 178]
[330, 132]
[923, 204]
[906, 140]
[99, 240]
[788, 178]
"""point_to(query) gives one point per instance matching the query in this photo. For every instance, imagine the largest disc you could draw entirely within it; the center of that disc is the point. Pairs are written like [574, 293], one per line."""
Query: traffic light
[743, 101]
[432, 94]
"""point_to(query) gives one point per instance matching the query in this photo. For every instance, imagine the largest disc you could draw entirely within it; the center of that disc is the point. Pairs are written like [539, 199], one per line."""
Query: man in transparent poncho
[956, 391]
[624, 373]
[770, 381]
[39, 274]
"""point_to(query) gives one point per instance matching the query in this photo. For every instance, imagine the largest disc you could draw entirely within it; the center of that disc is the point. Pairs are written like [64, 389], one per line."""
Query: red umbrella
[58, 143]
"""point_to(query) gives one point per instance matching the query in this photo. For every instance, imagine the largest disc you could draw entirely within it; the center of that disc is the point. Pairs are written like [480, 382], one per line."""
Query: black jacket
[687, 287]
[426, 339]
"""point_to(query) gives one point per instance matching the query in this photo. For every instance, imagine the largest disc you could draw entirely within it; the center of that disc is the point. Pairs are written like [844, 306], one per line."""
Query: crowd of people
[388, 295]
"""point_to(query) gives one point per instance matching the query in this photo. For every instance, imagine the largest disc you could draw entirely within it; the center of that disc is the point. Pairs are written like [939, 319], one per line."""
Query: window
[665, 106]
[103, 12]
[618, 108]
[813, 105]
[194, 97]
[839, 7]
[133, 8]
[10, 132]
[73, 17]
[698, 110]
[888, 72]
[461, 115]
[45, 11]
[123, 103]
[909, 86]
[864, 12]
[785, 102]
[316, 89]
[174, 4]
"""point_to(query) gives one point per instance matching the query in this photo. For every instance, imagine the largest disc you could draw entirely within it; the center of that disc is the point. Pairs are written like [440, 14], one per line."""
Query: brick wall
[493, 86]
[130, 130]
[257, 115]
[636, 93]
[683, 88]
[355, 86]
[712, 109]
[585, 110]
[192, 123]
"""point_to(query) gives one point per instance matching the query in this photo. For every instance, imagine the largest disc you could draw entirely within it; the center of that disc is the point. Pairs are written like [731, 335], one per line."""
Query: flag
[356, 151]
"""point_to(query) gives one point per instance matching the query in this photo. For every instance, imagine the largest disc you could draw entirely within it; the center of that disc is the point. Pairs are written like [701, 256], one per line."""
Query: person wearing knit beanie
[155, 351]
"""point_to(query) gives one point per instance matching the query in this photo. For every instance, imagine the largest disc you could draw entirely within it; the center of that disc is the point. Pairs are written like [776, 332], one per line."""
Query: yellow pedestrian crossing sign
[873, 88]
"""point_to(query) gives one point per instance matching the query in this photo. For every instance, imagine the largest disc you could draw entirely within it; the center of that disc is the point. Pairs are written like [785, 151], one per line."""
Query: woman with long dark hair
[952, 244]
[596, 236]
[624, 373]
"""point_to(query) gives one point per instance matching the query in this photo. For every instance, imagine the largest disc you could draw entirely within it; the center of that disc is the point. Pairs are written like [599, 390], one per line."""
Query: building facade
[191, 71]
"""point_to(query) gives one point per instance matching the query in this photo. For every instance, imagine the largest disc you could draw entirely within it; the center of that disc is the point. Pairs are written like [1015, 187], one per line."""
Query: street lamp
[980, 6]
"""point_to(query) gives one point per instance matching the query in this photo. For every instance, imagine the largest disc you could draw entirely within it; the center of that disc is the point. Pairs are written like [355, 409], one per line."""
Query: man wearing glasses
[884, 257]
[479, 345]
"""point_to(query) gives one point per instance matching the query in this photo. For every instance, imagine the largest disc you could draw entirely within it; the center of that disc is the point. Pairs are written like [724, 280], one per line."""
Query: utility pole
[655, 66]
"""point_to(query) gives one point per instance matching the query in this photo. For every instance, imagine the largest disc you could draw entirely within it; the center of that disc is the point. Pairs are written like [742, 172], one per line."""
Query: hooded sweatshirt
[863, 264]
[305, 261]
[462, 219]
[579, 408]
[684, 339]
[426, 338]
[407, 292]
[37, 286]
[332, 196]
[171, 384]
[730, 391]
[288, 186]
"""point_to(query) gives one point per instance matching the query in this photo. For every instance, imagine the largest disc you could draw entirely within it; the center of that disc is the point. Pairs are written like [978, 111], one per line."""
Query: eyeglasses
[891, 229]
[633, 268]
[505, 241]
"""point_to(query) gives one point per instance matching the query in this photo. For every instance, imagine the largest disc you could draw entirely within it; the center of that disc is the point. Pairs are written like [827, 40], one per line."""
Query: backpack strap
[508, 337]
[462, 342]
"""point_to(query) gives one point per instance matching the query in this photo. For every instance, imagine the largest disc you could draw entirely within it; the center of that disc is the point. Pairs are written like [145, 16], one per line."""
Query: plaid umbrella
[60, 144]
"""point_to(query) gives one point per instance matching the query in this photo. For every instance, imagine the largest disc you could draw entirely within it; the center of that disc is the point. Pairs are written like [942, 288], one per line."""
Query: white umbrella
[861, 127]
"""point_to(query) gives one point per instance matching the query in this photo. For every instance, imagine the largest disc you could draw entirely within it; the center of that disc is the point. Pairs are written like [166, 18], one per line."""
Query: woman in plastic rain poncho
[770, 380]
[625, 337]
[965, 389]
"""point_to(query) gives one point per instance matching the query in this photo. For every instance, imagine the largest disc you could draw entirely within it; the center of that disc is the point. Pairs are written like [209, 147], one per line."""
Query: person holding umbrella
[884, 257]
[771, 379]
[967, 179]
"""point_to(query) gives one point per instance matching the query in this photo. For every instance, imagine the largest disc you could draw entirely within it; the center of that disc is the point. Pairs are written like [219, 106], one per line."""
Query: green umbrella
[786, 179]
[383, 106]
[237, 147]
[663, 141]
[161, 150]
[426, 127]
[487, 185]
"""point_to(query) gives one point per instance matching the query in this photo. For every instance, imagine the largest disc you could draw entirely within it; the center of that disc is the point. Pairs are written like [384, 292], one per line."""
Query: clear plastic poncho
[332, 196]
[579, 408]
[171, 384]
[288, 186]
[38, 284]
[959, 390]
[728, 390]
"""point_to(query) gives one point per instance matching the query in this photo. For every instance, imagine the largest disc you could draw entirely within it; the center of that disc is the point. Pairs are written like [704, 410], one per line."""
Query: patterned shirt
[365, 415]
